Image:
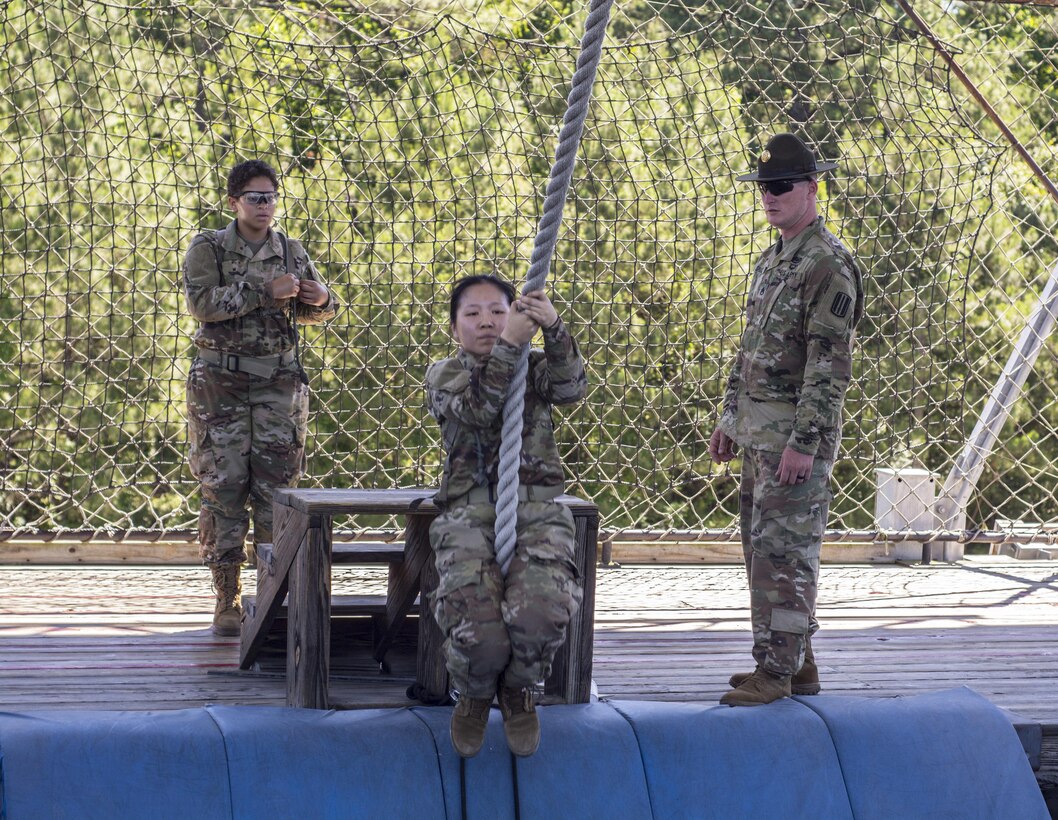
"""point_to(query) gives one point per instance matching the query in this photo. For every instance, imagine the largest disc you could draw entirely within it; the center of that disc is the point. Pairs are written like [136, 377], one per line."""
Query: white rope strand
[540, 263]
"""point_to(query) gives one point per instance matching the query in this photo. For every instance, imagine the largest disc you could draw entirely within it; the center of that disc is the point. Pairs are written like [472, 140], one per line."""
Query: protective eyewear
[259, 197]
[778, 187]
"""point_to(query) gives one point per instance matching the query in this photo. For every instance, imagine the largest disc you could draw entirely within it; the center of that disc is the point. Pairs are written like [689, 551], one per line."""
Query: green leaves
[414, 145]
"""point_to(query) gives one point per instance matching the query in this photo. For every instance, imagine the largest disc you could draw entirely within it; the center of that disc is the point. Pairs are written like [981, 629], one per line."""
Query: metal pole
[950, 506]
[977, 95]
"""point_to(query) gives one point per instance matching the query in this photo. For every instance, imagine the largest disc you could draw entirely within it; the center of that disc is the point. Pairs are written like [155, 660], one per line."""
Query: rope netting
[414, 143]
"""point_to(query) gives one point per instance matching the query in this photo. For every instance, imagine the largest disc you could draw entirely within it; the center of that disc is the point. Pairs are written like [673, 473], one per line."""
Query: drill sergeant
[783, 407]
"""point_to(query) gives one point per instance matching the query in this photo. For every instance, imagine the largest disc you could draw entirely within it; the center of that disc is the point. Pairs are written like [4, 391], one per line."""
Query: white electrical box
[904, 501]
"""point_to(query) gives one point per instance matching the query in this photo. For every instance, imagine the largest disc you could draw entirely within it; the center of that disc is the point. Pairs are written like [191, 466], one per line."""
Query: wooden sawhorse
[299, 569]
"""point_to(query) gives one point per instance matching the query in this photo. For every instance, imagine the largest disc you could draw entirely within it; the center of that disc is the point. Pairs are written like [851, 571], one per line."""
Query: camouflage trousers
[499, 628]
[247, 438]
[782, 535]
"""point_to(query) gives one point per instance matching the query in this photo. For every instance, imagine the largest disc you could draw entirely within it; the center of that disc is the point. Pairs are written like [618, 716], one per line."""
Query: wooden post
[309, 618]
[570, 678]
[583, 646]
[404, 579]
[289, 531]
[431, 674]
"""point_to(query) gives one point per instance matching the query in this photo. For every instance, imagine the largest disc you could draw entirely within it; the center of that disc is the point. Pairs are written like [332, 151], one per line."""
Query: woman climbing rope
[502, 629]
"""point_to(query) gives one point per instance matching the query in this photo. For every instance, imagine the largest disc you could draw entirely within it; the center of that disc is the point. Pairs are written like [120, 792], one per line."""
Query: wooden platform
[138, 638]
[297, 568]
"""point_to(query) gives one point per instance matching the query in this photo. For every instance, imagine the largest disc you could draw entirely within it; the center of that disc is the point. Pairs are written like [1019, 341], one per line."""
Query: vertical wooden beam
[309, 619]
[584, 620]
[431, 673]
[570, 678]
[289, 531]
[404, 579]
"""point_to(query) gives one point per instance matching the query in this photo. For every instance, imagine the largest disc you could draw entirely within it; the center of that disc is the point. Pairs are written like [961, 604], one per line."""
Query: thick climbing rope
[539, 264]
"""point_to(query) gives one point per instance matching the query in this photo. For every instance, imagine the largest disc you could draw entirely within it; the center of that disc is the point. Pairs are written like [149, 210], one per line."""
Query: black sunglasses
[778, 187]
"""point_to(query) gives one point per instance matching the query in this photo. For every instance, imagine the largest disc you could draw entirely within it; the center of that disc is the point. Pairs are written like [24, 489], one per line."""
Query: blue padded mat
[108, 765]
[588, 758]
[304, 763]
[716, 761]
[943, 755]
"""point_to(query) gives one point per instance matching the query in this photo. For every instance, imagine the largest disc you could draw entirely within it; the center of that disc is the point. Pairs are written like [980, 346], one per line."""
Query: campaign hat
[786, 157]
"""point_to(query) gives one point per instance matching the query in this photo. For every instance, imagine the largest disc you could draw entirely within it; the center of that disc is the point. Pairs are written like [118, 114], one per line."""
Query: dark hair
[481, 279]
[245, 171]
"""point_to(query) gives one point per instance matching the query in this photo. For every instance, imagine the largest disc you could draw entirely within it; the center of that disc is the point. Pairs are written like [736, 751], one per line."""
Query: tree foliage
[414, 149]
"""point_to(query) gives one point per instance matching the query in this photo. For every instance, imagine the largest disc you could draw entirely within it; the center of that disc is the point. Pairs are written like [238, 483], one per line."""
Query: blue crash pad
[304, 763]
[738, 762]
[113, 764]
[939, 755]
[944, 755]
[588, 758]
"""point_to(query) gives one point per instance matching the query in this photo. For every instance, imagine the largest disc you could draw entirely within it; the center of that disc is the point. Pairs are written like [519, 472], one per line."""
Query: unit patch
[841, 304]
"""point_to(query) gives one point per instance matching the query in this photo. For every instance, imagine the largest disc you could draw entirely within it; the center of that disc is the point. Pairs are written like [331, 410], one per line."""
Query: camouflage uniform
[246, 430]
[787, 388]
[496, 626]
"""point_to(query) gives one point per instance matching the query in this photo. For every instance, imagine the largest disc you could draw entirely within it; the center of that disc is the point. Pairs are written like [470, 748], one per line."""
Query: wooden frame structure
[298, 569]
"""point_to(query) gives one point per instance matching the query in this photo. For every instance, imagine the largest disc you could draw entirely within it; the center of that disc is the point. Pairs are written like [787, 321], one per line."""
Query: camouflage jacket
[466, 394]
[794, 362]
[236, 313]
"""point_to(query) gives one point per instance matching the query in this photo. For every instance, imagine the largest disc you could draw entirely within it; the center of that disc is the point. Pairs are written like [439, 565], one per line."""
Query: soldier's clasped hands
[284, 287]
[312, 292]
[308, 291]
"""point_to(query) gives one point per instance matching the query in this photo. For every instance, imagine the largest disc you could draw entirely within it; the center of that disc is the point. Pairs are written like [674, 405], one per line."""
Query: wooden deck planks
[138, 638]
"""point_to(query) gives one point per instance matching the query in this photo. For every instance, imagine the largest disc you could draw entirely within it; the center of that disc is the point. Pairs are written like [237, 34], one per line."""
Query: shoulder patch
[840, 305]
[833, 307]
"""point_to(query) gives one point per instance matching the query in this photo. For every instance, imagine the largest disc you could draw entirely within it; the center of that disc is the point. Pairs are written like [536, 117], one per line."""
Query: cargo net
[414, 143]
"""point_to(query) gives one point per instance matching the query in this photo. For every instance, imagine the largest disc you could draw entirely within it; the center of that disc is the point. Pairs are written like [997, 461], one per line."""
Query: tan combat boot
[805, 682]
[759, 688]
[521, 724]
[227, 615]
[469, 719]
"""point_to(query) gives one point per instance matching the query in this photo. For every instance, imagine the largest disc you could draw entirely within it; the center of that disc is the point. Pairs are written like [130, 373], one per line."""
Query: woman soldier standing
[247, 395]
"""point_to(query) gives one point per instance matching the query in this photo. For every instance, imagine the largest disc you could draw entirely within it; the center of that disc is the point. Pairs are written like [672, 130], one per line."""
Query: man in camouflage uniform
[247, 396]
[502, 633]
[783, 406]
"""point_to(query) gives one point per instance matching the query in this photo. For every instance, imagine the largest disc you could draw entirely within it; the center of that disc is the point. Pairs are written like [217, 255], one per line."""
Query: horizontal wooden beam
[144, 553]
[664, 552]
[718, 552]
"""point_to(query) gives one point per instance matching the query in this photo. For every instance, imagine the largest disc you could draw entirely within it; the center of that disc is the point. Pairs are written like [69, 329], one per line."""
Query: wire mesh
[414, 140]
